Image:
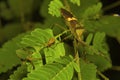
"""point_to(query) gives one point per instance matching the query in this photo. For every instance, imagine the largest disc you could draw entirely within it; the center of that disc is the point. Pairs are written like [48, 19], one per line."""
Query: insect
[25, 55]
[47, 45]
[76, 29]
[69, 17]
[50, 42]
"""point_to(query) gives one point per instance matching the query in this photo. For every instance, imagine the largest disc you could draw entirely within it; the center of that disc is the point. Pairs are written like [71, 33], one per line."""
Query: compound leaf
[92, 11]
[79, 11]
[19, 73]
[102, 63]
[104, 24]
[53, 71]
[53, 52]
[98, 41]
[38, 37]
[88, 71]
[89, 39]
[54, 7]
[76, 2]
[9, 50]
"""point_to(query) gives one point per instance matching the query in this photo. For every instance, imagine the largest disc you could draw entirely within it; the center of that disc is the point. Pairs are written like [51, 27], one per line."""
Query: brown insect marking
[66, 14]
[50, 42]
[79, 31]
[69, 17]
[73, 23]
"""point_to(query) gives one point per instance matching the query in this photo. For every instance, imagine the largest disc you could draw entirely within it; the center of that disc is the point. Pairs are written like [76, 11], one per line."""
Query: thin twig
[0, 23]
[117, 68]
[102, 75]
[62, 33]
[66, 4]
[111, 6]
[22, 16]
[66, 37]
[60, 26]
[77, 57]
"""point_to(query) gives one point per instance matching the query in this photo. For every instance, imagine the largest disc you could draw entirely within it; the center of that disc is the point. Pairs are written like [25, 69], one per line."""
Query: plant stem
[62, 33]
[77, 57]
[66, 4]
[117, 68]
[0, 23]
[57, 25]
[22, 16]
[103, 76]
[78, 62]
[111, 6]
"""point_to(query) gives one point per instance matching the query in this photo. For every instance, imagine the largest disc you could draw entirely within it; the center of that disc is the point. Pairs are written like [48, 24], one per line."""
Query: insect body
[73, 24]
[50, 42]
[47, 45]
[69, 17]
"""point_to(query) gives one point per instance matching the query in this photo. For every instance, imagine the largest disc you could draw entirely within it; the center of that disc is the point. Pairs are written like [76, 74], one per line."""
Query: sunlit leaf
[54, 71]
[54, 7]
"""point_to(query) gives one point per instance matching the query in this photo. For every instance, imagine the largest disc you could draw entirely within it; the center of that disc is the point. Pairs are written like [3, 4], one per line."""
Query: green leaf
[92, 11]
[108, 24]
[88, 71]
[98, 45]
[48, 23]
[8, 57]
[91, 50]
[64, 60]
[76, 2]
[34, 61]
[55, 51]
[89, 39]
[102, 63]
[21, 53]
[25, 52]
[38, 37]
[54, 8]
[53, 71]
[19, 73]
[76, 67]
[78, 11]
[99, 40]
[66, 73]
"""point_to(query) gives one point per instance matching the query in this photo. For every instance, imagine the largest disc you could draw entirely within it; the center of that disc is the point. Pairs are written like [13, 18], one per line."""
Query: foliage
[54, 71]
[43, 53]
[8, 57]
[76, 2]
[54, 7]
[87, 68]
[19, 73]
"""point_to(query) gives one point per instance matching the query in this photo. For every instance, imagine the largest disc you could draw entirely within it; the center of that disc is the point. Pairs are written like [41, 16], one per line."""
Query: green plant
[44, 54]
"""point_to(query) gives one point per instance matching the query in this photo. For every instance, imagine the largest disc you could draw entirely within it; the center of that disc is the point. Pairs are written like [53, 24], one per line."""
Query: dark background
[114, 45]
